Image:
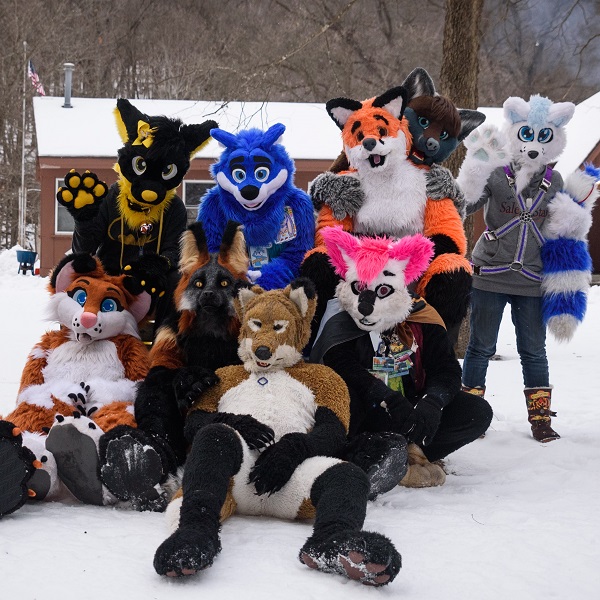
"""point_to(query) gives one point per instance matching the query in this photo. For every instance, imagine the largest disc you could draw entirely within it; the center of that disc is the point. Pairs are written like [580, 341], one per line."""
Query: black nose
[249, 192]
[432, 145]
[365, 309]
[533, 154]
[262, 353]
[366, 302]
[369, 143]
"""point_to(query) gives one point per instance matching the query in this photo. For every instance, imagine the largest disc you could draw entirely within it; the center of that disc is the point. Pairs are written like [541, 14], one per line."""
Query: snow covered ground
[515, 519]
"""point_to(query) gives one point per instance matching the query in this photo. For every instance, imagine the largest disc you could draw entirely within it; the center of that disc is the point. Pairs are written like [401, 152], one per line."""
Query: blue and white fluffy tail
[567, 265]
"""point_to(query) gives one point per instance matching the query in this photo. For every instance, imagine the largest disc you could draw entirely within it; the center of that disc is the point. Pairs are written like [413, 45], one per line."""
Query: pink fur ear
[140, 306]
[65, 277]
[417, 250]
[339, 242]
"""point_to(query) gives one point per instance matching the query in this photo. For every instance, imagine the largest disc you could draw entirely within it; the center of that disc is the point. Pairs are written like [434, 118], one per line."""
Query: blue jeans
[486, 314]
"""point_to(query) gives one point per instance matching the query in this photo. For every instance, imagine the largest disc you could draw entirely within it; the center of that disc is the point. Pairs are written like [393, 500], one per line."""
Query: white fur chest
[394, 200]
[275, 399]
[75, 362]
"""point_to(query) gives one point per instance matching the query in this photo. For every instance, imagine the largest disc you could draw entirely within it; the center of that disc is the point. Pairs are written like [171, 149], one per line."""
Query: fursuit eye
[357, 287]
[139, 165]
[444, 135]
[382, 131]
[261, 174]
[277, 327]
[169, 172]
[545, 135]
[109, 305]
[238, 175]
[80, 296]
[224, 283]
[384, 290]
[360, 136]
[423, 122]
[526, 134]
[199, 284]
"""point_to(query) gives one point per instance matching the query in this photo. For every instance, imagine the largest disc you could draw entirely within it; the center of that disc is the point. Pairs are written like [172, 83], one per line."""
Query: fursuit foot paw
[16, 468]
[186, 552]
[422, 473]
[74, 443]
[382, 456]
[363, 556]
[132, 470]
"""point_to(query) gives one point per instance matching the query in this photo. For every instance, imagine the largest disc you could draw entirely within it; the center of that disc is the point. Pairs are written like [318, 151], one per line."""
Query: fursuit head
[377, 143]
[375, 274]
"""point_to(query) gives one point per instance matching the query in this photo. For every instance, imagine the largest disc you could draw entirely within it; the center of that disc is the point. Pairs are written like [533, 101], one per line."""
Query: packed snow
[516, 519]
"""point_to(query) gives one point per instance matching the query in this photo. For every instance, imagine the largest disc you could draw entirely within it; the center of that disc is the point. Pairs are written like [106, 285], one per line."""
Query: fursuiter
[265, 441]
[255, 187]
[198, 337]
[137, 223]
[78, 383]
[510, 166]
[393, 352]
[395, 198]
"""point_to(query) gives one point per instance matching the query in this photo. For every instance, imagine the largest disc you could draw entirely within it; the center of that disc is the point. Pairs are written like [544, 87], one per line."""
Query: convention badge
[259, 256]
[287, 231]
[383, 363]
[395, 383]
[382, 375]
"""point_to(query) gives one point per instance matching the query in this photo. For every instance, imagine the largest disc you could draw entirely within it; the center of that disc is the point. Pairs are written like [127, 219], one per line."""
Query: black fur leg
[16, 468]
[77, 462]
[449, 293]
[383, 456]
[338, 544]
[132, 470]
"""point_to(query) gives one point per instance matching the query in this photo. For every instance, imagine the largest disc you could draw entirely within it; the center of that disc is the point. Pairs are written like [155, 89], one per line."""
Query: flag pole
[22, 194]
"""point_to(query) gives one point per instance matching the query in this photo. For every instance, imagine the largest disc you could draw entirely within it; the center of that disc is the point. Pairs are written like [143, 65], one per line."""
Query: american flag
[35, 80]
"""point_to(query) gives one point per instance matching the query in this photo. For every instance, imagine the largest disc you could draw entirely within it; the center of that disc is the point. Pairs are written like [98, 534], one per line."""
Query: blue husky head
[253, 165]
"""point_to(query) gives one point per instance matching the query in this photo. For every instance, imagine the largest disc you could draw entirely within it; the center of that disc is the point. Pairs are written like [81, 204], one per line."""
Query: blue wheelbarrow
[26, 260]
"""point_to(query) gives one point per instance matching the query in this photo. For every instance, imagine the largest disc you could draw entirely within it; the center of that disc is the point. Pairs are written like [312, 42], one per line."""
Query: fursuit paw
[132, 469]
[190, 382]
[383, 456]
[186, 552]
[342, 193]
[148, 273]
[442, 185]
[364, 556]
[16, 468]
[487, 144]
[82, 194]
[73, 442]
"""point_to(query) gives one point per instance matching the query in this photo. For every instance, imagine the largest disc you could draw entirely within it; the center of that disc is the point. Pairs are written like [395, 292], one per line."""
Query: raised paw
[186, 552]
[16, 468]
[132, 470]
[487, 144]
[363, 556]
[82, 194]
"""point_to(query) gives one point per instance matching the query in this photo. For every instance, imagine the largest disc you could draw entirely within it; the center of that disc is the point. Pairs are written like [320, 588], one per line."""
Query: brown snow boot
[421, 473]
[538, 408]
[476, 391]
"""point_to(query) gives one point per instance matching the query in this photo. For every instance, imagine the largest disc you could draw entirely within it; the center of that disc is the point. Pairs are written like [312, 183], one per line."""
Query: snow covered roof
[89, 128]
[583, 132]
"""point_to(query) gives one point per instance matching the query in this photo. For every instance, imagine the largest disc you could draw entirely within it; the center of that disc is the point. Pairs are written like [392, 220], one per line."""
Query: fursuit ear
[301, 292]
[340, 110]
[561, 113]
[394, 101]
[127, 117]
[140, 305]
[418, 83]
[196, 136]
[469, 120]
[341, 248]
[244, 296]
[271, 136]
[71, 267]
[226, 139]
[193, 249]
[516, 110]
[232, 252]
[417, 250]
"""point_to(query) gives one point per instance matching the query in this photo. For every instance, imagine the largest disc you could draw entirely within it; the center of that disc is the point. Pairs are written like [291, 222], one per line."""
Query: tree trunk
[458, 81]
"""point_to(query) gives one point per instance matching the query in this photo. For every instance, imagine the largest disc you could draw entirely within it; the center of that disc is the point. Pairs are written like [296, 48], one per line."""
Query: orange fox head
[373, 128]
[275, 325]
[92, 304]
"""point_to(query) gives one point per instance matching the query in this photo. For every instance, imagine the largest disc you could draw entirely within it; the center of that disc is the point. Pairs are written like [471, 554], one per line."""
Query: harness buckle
[490, 236]
[545, 185]
[516, 266]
